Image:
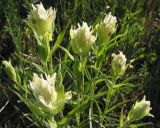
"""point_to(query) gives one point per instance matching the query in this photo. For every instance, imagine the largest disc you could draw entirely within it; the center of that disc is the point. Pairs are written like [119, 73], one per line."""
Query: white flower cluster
[46, 94]
[118, 63]
[82, 39]
[106, 28]
[41, 20]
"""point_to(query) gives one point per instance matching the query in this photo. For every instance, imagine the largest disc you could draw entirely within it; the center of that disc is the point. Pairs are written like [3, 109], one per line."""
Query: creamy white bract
[106, 28]
[82, 39]
[46, 94]
[118, 63]
[41, 20]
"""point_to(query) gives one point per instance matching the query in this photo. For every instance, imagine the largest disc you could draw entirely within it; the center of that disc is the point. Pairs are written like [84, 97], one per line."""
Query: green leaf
[121, 118]
[34, 108]
[122, 85]
[72, 113]
[117, 105]
[110, 44]
[58, 41]
[68, 53]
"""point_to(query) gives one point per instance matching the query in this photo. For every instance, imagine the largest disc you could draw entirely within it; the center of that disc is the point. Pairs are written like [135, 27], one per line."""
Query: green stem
[52, 122]
[91, 105]
[108, 98]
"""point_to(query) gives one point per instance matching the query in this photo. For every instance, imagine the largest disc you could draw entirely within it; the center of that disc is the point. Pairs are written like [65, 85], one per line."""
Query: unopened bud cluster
[139, 110]
[10, 71]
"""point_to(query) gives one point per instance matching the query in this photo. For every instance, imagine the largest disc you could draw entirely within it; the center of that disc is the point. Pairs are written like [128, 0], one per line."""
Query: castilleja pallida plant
[98, 86]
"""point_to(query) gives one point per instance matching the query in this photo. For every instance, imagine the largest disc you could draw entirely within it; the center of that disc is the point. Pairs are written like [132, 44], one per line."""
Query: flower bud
[41, 20]
[46, 95]
[10, 71]
[106, 28]
[139, 110]
[82, 39]
[118, 64]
